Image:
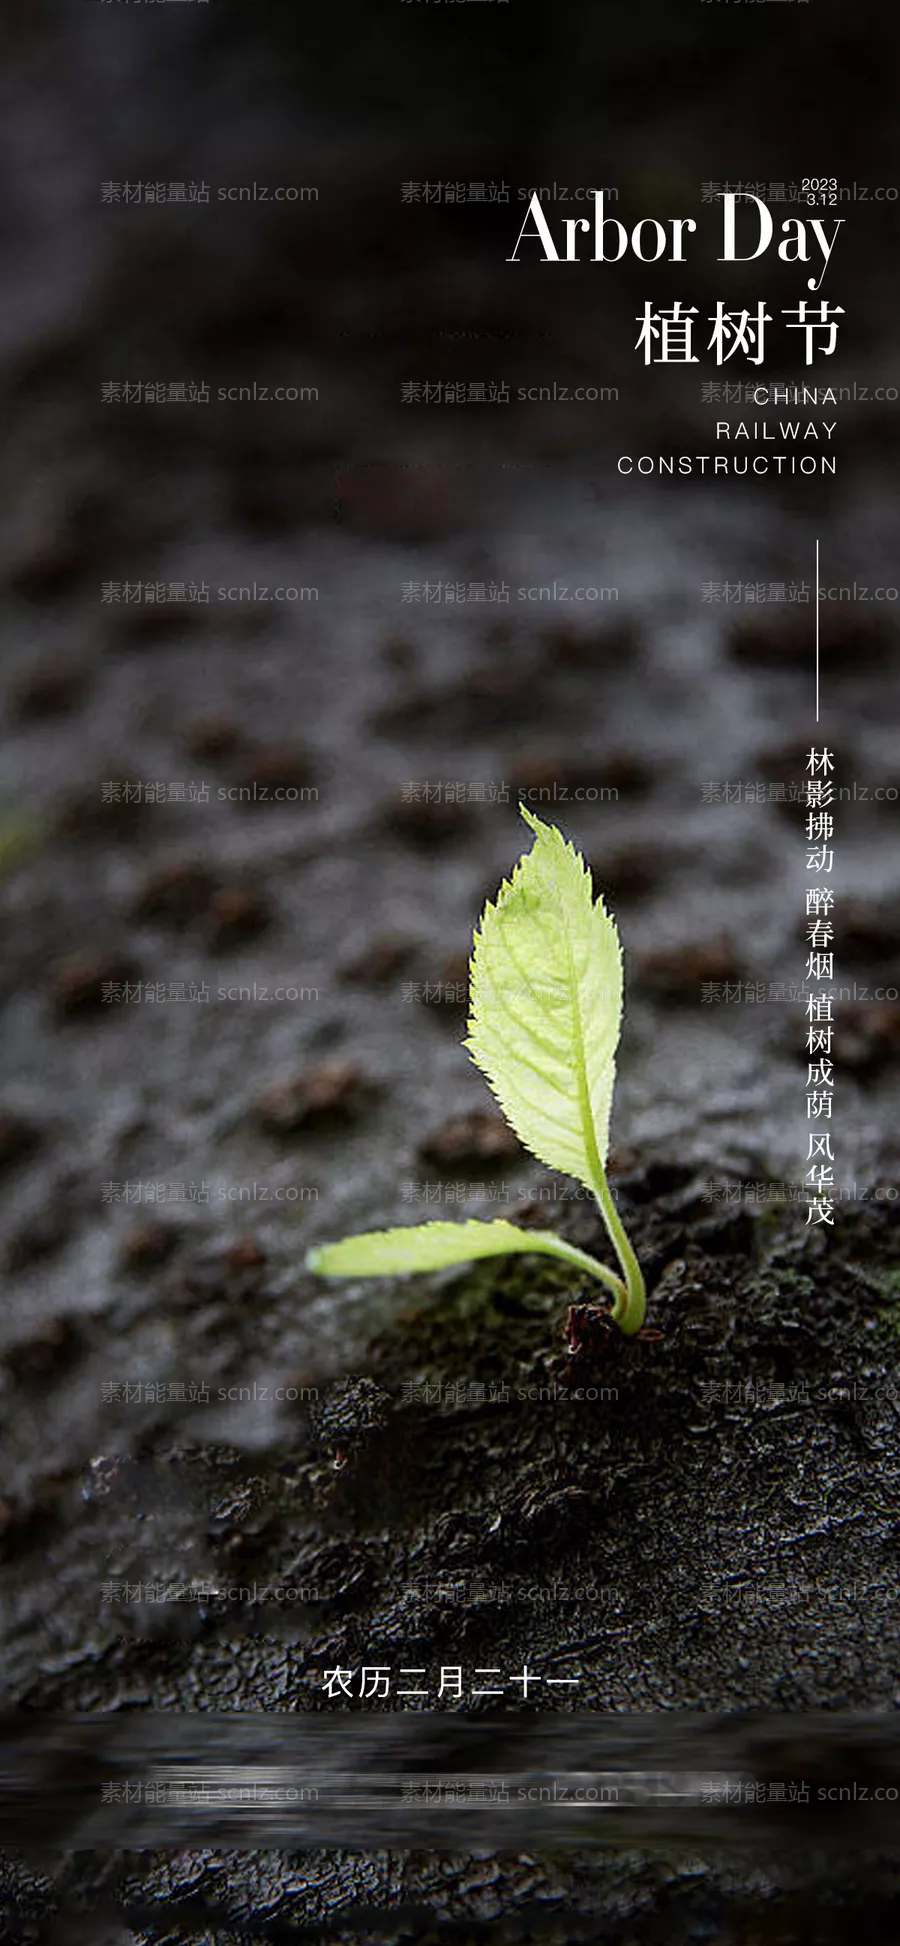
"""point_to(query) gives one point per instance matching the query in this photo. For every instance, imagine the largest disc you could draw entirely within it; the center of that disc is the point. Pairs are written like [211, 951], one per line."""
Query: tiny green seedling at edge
[544, 1023]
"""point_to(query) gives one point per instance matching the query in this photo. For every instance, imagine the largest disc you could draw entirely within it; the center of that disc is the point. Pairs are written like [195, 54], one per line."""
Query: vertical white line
[817, 631]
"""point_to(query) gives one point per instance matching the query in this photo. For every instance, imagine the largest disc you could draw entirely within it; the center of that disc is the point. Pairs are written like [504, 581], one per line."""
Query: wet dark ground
[716, 1529]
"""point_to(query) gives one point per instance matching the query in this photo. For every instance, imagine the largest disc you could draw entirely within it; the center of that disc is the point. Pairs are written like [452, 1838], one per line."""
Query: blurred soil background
[166, 1162]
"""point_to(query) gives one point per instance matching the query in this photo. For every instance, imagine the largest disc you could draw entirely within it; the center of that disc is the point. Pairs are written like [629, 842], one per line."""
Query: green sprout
[545, 1017]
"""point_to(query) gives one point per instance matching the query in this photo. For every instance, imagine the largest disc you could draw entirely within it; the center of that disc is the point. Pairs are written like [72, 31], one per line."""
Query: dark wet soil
[700, 1519]
[243, 848]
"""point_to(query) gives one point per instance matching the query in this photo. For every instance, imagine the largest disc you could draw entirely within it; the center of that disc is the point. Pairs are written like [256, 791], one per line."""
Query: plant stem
[630, 1307]
[550, 1245]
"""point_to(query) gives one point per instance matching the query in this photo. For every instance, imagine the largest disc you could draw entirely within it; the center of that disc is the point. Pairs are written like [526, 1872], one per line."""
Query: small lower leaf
[437, 1246]
[419, 1246]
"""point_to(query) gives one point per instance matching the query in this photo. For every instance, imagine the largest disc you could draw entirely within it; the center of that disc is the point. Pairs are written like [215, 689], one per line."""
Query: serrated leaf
[546, 1005]
[437, 1246]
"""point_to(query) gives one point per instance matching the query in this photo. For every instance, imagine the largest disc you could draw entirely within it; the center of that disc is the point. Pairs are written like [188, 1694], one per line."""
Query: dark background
[365, 892]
